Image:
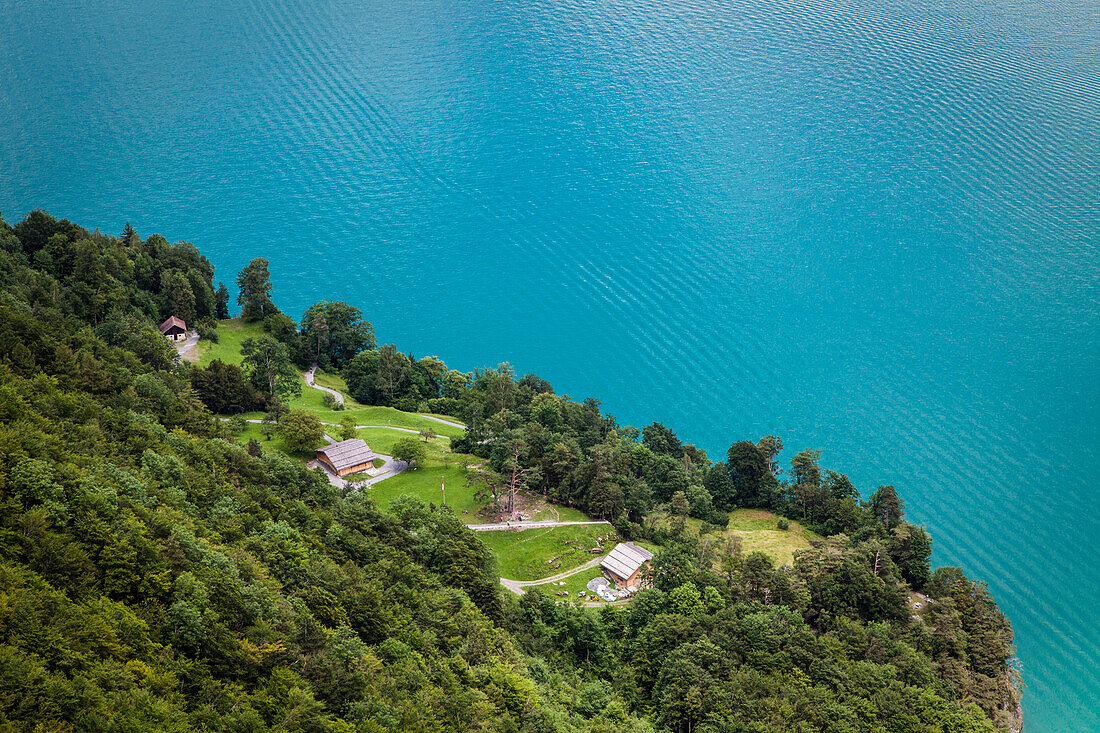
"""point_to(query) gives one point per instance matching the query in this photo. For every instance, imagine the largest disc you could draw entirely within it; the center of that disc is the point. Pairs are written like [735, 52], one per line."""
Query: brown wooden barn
[347, 456]
[624, 565]
[174, 329]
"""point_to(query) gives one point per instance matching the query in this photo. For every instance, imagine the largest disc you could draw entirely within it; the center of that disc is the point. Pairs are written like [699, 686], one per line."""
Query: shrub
[206, 333]
[783, 524]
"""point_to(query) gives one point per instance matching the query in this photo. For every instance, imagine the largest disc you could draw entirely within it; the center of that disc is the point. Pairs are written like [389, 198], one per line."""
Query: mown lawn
[389, 416]
[381, 440]
[572, 585]
[531, 554]
[424, 484]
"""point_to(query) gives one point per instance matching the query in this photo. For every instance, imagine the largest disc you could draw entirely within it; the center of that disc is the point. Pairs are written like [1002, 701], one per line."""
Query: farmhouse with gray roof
[347, 456]
[625, 563]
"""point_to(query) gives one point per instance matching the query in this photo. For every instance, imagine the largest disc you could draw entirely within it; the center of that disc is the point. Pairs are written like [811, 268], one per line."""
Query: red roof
[171, 322]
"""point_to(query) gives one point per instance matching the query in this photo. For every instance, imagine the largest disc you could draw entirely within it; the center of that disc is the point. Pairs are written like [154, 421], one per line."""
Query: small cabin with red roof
[174, 329]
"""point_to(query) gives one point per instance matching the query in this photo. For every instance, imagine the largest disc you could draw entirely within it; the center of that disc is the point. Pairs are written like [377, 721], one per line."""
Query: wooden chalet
[624, 565]
[347, 456]
[174, 329]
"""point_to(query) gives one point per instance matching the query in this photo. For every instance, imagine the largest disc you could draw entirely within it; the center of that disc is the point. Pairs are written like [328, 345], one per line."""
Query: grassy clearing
[389, 416]
[381, 440]
[310, 401]
[231, 334]
[524, 555]
[758, 531]
[275, 444]
[424, 484]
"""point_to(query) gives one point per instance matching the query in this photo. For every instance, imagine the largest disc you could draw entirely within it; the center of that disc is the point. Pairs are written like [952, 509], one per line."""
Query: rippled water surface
[866, 227]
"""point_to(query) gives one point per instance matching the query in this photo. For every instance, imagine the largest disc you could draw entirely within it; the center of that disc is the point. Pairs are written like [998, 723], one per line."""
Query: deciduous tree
[268, 364]
[301, 431]
[254, 284]
[409, 450]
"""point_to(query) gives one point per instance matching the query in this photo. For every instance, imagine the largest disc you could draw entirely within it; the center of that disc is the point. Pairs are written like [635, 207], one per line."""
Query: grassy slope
[572, 585]
[424, 484]
[275, 444]
[523, 555]
[233, 332]
[520, 553]
[758, 531]
[381, 440]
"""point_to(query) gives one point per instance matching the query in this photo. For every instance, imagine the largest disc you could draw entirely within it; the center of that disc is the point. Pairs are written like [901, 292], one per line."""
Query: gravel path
[184, 349]
[308, 376]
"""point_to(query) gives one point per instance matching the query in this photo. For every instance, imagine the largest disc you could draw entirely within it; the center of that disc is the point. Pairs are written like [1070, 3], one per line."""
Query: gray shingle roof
[348, 453]
[625, 559]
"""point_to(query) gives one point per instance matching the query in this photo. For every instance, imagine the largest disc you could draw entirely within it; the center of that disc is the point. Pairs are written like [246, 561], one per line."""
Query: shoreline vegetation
[166, 564]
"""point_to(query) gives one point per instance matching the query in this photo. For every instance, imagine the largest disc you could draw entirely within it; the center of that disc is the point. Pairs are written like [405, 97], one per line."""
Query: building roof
[625, 559]
[172, 321]
[348, 453]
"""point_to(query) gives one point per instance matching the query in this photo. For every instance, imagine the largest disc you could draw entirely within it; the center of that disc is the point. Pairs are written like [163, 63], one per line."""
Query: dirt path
[186, 350]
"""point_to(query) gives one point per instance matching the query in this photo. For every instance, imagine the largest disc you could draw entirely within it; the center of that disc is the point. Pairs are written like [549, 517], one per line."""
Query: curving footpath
[308, 376]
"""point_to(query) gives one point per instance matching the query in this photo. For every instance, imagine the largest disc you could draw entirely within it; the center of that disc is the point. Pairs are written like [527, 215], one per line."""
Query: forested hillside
[157, 575]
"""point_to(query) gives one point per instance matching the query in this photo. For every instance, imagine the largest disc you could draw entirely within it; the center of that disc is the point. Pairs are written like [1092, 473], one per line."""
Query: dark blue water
[866, 227]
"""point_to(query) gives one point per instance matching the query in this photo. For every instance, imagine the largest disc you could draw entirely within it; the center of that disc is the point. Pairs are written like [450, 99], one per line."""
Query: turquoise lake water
[870, 228]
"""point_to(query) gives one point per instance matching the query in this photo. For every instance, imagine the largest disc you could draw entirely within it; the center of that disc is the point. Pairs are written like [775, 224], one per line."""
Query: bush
[783, 524]
[444, 406]
[407, 404]
[206, 333]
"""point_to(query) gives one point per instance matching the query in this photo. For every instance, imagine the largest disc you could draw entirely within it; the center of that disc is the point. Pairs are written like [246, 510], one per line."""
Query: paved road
[445, 422]
[308, 376]
[526, 525]
[357, 427]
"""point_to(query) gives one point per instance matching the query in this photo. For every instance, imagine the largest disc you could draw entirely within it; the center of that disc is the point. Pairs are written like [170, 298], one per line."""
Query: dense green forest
[157, 575]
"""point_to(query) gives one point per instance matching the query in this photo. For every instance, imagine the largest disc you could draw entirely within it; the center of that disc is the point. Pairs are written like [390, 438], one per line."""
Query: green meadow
[233, 332]
[531, 554]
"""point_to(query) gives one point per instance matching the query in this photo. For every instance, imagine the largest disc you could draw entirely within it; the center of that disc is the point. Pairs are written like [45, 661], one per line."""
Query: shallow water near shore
[867, 228]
